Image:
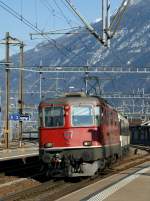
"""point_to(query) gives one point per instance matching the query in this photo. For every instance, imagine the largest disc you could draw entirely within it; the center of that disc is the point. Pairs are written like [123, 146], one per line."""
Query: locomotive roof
[71, 100]
[76, 99]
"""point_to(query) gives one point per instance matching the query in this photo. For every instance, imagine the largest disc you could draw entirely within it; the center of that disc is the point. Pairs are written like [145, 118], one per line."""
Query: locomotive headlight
[87, 143]
[48, 145]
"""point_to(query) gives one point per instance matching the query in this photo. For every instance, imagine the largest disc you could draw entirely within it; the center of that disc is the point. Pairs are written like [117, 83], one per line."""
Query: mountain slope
[132, 40]
[129, 47]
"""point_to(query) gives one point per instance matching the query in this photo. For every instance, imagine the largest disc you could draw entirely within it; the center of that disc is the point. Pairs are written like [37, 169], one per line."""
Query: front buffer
[77, 162]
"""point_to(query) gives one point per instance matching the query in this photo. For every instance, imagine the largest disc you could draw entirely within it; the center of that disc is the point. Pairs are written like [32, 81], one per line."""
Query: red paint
[106, 133]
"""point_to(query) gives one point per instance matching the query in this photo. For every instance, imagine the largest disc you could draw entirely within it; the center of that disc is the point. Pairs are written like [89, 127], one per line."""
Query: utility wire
[51, 10]
[61, 11]
[66, 5]
[18, 16]
[36, 15]
[30, 25]
[68, 21]
[21, 7]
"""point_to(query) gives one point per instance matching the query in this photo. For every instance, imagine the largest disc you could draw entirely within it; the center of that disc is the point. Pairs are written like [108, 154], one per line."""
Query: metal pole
[41, 79]
[104, 20]
[57, 83]
[20, 102]
[88, 25]
[86, 83]
[7, 72]
[108, 23]
[40, 86]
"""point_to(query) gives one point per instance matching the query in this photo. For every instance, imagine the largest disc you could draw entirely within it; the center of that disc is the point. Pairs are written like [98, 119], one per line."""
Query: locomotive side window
[82, 115]
[54, 116]
[97, 115]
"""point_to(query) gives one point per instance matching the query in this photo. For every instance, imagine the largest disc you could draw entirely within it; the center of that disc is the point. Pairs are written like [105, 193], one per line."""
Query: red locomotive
[79, 135]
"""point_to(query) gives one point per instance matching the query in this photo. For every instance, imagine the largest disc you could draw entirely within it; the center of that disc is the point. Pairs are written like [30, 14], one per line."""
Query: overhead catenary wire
[83, 69]
[21, 7]
[30, 25]
[34, 27]
[62, 16]
[18, 16]
[71, 30]
[36, 14]
[50, 9]
[61, 11]
[69, 22]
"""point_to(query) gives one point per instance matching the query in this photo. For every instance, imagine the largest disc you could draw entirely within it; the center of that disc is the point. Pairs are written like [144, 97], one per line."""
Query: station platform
[27, 150]
[132, 184]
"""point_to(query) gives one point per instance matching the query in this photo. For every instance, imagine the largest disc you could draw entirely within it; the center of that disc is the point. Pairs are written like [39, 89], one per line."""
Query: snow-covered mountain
[129, 47]
[131, 40]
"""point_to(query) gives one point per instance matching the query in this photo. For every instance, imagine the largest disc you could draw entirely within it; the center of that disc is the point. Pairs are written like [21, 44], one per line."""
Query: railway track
[52, 190]
[27, 194]
[19, 168]
[15, 184]
[142, 147]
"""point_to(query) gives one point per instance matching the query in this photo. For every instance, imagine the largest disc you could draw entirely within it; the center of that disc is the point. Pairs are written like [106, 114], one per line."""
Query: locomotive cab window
[40, 122]
[82, 115]
[54, 116]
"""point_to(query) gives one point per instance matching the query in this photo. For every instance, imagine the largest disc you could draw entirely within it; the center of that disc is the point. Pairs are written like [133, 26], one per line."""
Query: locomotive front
[70, 143]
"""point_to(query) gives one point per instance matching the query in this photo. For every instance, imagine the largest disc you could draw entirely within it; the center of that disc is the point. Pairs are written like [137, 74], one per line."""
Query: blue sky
[47, 15]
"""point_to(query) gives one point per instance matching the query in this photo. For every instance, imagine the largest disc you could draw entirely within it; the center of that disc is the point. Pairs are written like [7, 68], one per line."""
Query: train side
[140, 135]
[124, 134]
[79, 135]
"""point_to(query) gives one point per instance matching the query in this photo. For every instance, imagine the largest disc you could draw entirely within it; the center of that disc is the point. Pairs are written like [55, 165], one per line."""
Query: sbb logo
[68, 135]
